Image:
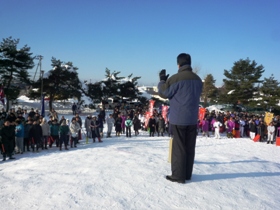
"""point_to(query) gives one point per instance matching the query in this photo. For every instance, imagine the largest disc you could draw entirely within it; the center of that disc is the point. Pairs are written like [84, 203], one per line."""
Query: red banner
[150, 112]
[164, 110]
[201, 113]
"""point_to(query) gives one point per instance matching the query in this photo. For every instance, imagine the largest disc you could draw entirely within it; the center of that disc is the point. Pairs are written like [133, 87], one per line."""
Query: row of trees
[243, 85]
[59, 83]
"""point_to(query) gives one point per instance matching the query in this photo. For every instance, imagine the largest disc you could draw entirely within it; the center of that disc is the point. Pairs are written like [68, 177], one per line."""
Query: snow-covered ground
[129, 173]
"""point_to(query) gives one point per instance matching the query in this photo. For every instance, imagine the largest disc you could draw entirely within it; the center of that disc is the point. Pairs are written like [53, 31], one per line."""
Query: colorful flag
[43, 106]
[150, 112]
[268, 117]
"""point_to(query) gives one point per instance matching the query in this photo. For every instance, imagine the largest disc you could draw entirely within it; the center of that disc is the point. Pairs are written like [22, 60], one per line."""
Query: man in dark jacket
[36, 134]
[7, 137]
[183, 90]
[152, 125]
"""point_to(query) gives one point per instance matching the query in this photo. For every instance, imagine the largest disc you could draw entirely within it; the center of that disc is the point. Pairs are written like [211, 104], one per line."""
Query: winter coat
[79, 120]
[183, 91]
[110, 121]
[54, 129]
[252, 127]
[64, 130]
[100, 122]
[87, 124]
[271, 129]
[35, 132]
[20, 130]
[205, 125]
[236, 125]
[128, 123]
[115, 115]
[123, 121]
[7, 134]
[118, 124]
[212, 124]
[230, 125]
[74, 129]
[136, 124]
[161, 125]
[217, 125]
[45, 129]
[102, 114]
[11, 117]
[27, 127]
[95, 128]
[152, 124]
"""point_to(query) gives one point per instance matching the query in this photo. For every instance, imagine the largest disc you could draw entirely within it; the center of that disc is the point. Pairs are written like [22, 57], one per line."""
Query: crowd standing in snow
[25, 130]
[243, 123]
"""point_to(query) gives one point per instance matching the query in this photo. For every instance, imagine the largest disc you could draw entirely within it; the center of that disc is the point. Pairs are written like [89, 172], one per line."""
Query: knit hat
[183, 59]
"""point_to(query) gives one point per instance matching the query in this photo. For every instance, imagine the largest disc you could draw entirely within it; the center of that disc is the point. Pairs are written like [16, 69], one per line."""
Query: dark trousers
[63, 140]
[183, 151]
[75, 140]
[128, 131]
[26, 144]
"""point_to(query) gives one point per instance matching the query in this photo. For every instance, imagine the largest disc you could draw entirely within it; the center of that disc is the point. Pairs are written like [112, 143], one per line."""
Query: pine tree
[110, 85]
[209, 89]
[242, 81]
[14, 65]
[128, 89]
[270, 93]
[60, 83]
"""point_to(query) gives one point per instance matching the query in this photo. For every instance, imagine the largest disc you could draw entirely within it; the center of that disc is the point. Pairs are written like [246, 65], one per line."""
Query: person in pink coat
[123, 122]
[230, 127]
[205, 127]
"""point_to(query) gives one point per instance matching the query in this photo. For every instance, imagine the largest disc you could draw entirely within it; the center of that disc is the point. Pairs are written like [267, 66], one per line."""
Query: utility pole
[42, 95]
[39, 65]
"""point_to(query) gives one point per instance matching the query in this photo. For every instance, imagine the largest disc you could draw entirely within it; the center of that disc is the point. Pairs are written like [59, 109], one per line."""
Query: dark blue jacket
[183, 91]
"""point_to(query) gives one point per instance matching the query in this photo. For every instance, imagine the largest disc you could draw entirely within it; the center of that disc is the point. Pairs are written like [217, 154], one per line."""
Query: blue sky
[144, 36]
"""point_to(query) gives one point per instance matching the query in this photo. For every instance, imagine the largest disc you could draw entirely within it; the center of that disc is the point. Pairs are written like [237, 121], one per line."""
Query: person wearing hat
[183, 90]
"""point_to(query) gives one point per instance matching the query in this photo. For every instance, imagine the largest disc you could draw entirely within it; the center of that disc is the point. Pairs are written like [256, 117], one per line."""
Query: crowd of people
[23, 131]
[241, 124]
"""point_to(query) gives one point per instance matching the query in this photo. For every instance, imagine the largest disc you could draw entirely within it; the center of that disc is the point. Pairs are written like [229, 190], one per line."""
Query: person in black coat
[94, 124]
[152, 125]
[136, 125]
[161, 126]
[183, 90]
[7, 139]
[27, 139]
[118, 125]
[36, 134]
[102, 114]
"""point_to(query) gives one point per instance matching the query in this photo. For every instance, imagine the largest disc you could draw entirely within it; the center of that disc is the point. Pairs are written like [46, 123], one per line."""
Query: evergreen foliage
[14, 65]
[60, 83]
[209, 91]
[241, 82]
[270, 93]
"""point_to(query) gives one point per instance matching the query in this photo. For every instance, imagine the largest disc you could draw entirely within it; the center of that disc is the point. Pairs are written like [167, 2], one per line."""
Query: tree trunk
[51, 101]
